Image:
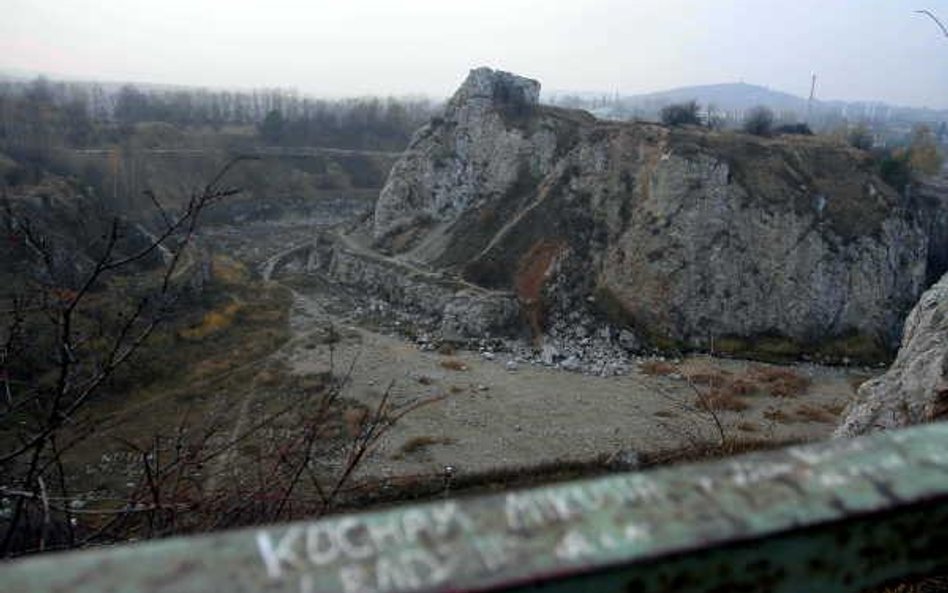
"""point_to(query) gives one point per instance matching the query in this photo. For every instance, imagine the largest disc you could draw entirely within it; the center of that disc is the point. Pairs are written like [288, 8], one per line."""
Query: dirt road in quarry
[490, 411]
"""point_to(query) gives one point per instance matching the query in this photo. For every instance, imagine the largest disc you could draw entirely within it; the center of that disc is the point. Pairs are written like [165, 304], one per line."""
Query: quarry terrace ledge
[834, 516]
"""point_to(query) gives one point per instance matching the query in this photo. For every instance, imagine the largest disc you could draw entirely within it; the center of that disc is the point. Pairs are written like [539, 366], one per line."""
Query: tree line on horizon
[78, 115]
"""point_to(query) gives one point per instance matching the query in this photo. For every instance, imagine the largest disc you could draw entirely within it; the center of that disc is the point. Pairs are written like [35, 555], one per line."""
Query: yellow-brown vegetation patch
[657, 368]
[721, 400]
[228, 270]
[812, 413]
[777, 415]
[212, 322]
[780, 382]
[453, 364]
[420, 443]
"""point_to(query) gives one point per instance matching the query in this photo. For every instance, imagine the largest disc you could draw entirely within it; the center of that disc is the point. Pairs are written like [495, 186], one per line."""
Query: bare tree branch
[938, 22]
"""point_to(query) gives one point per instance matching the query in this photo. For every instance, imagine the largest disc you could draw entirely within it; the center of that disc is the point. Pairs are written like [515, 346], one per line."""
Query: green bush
[759, 121]
[861, 137]
[894, 169]
[800, 129]
[679, 114]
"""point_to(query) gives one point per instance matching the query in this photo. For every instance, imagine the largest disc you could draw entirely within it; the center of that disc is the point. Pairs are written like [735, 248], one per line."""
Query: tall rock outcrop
[684, 236]
[915, 388]
[474, 155]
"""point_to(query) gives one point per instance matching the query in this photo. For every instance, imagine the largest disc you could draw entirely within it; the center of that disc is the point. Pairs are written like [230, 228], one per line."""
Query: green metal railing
[835, 516]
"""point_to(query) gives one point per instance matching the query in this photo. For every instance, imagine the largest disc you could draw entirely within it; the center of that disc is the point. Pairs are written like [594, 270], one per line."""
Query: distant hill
[734, 99]
[727, 96]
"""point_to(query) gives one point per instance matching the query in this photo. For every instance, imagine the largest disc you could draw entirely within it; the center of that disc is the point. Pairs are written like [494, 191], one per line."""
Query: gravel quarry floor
[489, 412]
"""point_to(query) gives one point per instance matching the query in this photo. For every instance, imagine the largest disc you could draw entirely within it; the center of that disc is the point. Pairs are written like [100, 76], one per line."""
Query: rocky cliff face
[684, 237]
[915, 388]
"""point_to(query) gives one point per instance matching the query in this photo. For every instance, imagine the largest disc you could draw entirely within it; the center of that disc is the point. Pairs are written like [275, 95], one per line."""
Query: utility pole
[809, 102]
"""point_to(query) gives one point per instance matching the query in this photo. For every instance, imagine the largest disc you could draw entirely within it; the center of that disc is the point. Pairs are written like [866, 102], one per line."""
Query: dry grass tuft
[812, 413]
[746, 426]
[453, 364]
[777, 415]
[726, 390]
[741, 386]
[780, 382]
[721, 400]
[420, 443]
[354, 419]
[713, 378]
[657, 368]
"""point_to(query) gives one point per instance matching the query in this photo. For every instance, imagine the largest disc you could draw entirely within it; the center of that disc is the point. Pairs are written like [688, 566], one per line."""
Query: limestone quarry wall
[687, 237]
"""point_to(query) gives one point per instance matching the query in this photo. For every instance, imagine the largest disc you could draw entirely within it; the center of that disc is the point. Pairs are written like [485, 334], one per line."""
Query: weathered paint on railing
[836, 516]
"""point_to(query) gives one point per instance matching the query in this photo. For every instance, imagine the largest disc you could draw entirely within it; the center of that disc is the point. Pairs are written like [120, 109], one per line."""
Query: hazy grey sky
[860, 49]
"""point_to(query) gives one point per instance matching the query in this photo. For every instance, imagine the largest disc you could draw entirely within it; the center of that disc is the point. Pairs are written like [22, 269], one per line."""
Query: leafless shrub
[83, 357]
[206, 472]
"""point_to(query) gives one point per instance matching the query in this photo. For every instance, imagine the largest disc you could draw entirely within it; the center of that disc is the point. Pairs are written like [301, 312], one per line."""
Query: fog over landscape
[484, 295]
[860, 49]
